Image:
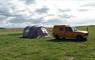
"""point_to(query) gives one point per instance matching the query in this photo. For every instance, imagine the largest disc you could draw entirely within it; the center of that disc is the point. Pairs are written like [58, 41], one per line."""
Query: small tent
[34, 32]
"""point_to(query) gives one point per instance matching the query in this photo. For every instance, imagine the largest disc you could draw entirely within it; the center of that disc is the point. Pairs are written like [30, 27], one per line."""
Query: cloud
[92, 4]
[29, 1]
[88, 6]
[42, 10]
[46, 12]
[82, 10]
[55, 21]
[65, 10]
[17, 19]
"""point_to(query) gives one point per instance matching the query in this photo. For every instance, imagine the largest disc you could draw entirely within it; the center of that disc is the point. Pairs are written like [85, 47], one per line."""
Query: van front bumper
[86, 35]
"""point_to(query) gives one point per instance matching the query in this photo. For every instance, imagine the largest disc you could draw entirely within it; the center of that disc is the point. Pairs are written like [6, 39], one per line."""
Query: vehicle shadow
[65, 40]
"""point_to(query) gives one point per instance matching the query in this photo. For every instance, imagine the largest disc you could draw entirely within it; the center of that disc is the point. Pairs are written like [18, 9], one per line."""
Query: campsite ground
[12, 47]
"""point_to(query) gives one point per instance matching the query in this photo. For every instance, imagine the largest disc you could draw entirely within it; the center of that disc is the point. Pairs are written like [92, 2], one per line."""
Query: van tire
[79, 38]
[63, 38]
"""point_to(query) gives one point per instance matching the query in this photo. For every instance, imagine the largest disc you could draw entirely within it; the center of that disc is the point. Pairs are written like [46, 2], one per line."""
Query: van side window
[61, 29]
[69, 29]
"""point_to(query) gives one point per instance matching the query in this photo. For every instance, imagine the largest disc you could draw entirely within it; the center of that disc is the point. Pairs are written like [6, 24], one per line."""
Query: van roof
[62, 25]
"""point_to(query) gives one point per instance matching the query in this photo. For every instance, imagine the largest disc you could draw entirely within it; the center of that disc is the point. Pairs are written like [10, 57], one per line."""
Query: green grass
[12, 47]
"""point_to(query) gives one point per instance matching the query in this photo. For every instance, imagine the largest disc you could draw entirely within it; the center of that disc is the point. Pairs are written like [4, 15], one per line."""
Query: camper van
[68, 32]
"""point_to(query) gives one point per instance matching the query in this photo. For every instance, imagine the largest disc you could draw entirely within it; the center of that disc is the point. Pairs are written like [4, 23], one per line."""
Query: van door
[69, 32]
[61, 32]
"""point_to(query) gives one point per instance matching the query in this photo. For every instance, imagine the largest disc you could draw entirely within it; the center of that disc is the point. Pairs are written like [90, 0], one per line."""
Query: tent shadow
[26, 38]
[32, 37]
[65, 40]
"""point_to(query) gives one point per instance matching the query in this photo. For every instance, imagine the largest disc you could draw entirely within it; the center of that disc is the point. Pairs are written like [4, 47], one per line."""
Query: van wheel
[63, 38]
[56, 37]
[79, 38]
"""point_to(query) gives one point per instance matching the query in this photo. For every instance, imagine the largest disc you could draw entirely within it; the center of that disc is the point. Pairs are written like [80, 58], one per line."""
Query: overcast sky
[20, 13]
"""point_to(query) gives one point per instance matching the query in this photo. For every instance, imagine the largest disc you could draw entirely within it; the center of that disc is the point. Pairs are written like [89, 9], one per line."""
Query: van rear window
[68, 29]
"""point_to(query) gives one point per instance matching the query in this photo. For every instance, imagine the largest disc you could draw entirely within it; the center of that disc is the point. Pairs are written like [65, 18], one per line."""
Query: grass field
[12, 47]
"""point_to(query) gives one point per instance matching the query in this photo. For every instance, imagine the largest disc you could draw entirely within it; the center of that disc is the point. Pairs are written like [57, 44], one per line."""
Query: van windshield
[74, 29]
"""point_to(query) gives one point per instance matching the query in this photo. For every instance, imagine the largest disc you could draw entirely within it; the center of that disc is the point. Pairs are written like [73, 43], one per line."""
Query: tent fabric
[35, 31]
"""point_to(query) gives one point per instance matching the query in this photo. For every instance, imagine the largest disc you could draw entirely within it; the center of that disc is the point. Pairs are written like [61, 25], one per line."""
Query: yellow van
[67, 32]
